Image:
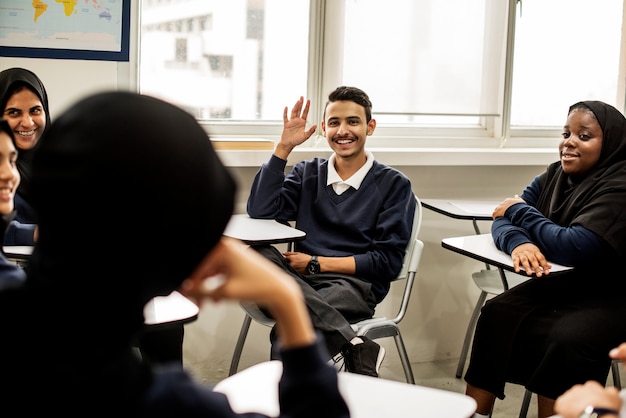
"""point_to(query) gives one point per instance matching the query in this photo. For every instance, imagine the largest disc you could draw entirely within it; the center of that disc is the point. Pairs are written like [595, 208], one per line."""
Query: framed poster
[81, 29]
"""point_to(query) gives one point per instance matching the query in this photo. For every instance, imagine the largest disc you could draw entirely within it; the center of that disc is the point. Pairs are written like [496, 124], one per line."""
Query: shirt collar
[356, 179]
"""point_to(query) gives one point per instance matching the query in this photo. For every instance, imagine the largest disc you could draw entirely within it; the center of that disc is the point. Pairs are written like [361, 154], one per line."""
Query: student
[607, 402]
[24, 104]
[143, 175]
[554, 331]
[24, 101]
[357, 214]
[10, 274]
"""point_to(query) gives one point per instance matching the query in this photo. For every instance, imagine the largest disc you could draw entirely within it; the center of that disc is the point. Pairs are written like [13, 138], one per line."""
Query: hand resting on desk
[528, 256]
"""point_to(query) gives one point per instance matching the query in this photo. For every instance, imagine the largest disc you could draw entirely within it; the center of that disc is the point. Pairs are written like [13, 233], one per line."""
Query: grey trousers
[334, 301]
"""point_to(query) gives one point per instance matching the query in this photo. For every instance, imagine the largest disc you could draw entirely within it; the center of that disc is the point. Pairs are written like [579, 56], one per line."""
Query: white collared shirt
[340, 185]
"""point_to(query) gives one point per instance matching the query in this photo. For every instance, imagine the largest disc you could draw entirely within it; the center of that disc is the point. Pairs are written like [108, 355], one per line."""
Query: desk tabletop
[172, 309]
[20, 252]
[482, 248]
[261, 231]
[256, 389]
[479, 210]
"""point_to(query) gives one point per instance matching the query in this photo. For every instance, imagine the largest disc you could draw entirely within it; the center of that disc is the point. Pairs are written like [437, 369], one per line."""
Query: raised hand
[294, 128]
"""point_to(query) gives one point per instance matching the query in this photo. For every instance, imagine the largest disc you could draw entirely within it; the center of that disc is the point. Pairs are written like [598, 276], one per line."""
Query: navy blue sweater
[568, 245]
[373, 223]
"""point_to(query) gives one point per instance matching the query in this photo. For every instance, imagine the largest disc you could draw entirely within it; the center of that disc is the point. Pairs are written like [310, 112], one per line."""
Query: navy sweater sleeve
[309, 385]
[20, 234]
[308, 388]
[523, 223]
[267, 198]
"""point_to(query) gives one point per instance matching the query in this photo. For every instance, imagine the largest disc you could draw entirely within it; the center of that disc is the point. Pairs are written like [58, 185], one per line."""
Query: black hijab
[130, 196]
[10, 80]
[597, 201]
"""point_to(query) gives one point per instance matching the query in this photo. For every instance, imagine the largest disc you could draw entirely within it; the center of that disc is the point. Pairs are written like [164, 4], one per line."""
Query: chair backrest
[410, 248]
[411, 262]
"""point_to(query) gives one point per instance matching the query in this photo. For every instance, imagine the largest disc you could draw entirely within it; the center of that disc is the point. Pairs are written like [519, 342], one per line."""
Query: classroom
[484, 164]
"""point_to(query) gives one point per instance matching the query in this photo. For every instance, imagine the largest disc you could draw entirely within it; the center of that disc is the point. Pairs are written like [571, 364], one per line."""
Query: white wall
[444, 294]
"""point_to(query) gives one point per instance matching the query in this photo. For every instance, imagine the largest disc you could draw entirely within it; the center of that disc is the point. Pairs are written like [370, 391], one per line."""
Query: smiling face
[346, 128]
[582, 142]
[9, 176]
[26, 116]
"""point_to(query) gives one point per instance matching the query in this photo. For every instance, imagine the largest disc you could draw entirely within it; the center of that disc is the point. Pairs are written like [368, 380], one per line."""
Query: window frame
[493, 142]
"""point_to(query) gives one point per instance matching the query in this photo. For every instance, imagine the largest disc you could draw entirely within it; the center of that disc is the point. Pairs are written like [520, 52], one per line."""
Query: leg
[484, 400]
[545, 407]
[326, 317]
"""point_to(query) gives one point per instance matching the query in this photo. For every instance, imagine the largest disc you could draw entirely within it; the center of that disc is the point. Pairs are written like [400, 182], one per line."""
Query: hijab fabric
[597, 201]
[9, 80]
[131, 196]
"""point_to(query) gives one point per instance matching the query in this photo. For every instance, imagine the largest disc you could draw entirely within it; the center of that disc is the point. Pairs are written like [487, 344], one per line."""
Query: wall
[444, 294]
[443, 297]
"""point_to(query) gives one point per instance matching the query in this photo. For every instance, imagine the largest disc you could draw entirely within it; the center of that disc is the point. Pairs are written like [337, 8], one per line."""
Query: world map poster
[74, 29]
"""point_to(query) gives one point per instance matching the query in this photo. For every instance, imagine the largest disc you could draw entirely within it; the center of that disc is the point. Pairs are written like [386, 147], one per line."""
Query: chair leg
[525, 404]
[617, 380]
[469, 333]
[243, 333]
[404, 358]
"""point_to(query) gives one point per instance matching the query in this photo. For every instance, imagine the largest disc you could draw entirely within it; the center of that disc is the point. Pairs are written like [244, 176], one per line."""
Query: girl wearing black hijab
[555, 330]
[143, 175]
[24, 104]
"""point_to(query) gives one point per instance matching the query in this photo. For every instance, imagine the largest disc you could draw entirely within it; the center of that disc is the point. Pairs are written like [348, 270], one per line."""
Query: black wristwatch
[593, 412]
[314, 266]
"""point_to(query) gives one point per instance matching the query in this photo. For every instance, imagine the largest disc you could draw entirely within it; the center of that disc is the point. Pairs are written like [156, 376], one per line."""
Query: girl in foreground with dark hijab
[555, 330]
[10, 274]
[144, 176]
[24, 104]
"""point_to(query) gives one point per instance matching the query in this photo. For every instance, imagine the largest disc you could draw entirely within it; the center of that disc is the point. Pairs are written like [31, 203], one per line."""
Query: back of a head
[130, 195]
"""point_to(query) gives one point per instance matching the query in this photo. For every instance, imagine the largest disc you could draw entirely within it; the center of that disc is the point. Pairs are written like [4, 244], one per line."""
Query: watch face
[314, 266]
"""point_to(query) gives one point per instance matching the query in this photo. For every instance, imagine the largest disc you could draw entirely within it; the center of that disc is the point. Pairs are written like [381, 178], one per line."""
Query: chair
[373, 328]
[490, 282]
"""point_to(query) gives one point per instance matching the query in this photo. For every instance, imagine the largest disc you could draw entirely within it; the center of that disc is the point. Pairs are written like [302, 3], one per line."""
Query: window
[454, 73]
[565, 51]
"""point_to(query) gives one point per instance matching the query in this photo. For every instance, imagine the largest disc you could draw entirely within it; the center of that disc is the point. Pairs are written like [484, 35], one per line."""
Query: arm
[20, 234]
[264, 200]
[517, 222]
[249, 276]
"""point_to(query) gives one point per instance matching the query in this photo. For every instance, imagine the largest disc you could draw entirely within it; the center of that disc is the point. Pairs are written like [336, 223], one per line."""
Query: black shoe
[364, 358]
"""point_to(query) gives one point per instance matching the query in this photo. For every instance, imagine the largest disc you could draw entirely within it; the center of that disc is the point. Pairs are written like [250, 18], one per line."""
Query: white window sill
[411, 156]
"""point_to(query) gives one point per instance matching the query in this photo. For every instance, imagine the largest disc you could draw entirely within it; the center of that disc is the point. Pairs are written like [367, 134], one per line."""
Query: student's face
[9, 176]
[581, 144]
[346, 128]
[27, 118]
